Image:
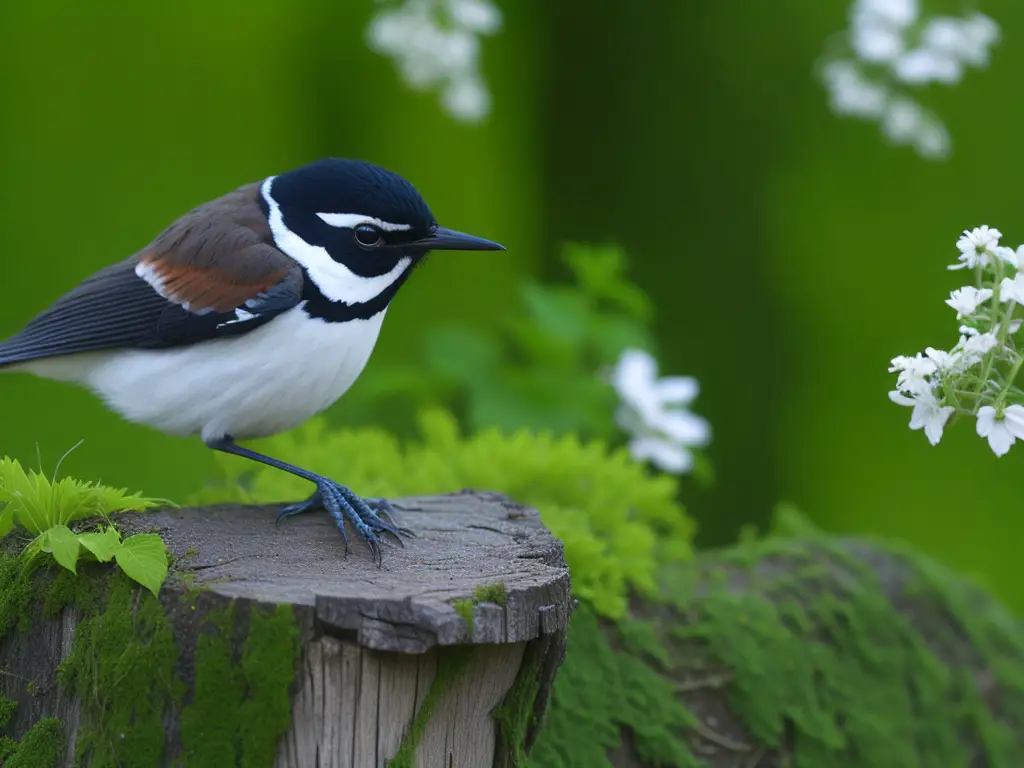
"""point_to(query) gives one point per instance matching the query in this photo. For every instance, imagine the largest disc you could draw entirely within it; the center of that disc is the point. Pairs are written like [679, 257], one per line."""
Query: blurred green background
[789, 253]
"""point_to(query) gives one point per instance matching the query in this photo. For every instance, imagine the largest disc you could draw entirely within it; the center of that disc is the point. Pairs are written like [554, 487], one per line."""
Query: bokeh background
[789, 252]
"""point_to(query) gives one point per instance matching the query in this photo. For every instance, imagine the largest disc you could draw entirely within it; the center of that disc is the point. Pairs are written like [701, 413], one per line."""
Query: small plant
[45, 508]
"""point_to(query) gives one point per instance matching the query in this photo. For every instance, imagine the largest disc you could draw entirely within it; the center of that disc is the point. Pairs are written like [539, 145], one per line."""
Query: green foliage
[122, 666]
[241, 704]
[541, 372]
[38, 504]
[41, 747]
[45, 508]
[618, 522]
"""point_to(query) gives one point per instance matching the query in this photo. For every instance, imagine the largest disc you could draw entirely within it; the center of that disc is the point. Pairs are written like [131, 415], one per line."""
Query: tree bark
[422, 651]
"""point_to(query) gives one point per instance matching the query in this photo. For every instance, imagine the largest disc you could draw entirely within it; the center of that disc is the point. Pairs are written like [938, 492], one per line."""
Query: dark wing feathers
[186, 264]
[181, 289]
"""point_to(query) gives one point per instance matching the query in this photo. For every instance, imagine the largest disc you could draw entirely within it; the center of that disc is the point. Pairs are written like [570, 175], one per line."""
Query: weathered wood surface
[462, 541]
[371, 637]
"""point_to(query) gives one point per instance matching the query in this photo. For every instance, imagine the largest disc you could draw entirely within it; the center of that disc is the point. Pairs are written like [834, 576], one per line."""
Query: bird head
[370, 222]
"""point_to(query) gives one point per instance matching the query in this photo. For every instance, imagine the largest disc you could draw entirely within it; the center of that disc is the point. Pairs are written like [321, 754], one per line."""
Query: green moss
[452, 661]
[210, 723]
[66, 588]
[491, 593]
[41, 747]
[15, 593]
[598, 693]
[242, 701]
[485, 593]
[515, 714]
[268, 666]
[465, 609]
[122, 666]
[828, 670]
[7, 709]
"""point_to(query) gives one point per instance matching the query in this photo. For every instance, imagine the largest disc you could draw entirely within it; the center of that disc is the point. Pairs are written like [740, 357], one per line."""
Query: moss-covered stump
[805, 652]
[268, 647]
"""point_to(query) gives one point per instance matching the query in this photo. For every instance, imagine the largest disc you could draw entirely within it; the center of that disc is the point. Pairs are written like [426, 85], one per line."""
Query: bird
[249, 315]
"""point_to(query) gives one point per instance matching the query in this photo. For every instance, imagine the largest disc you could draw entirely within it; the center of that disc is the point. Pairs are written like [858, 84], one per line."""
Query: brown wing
[213, 273]
[216, 257]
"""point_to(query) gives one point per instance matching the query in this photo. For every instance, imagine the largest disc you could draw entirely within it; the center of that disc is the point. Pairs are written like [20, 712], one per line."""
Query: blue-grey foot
[371, 517]
[340, 502]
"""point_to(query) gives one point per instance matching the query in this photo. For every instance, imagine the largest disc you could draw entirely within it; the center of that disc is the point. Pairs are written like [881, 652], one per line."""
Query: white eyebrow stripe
[352, 220]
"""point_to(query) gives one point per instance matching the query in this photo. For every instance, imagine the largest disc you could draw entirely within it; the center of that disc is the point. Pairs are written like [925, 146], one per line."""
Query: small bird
[249, 315]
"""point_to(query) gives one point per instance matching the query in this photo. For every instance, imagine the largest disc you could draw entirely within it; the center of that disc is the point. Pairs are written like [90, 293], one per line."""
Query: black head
[364, 216]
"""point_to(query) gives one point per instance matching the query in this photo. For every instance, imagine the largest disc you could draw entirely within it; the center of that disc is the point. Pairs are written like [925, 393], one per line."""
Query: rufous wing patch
[200, 290]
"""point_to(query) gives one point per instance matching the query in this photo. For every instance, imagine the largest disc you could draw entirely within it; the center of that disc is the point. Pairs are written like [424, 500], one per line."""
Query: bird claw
[367, 515]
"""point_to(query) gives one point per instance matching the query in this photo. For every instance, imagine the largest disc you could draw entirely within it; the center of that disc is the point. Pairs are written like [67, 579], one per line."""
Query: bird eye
[368, 236]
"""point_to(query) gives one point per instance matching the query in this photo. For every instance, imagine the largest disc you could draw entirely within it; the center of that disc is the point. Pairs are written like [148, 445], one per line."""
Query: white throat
[335, 281]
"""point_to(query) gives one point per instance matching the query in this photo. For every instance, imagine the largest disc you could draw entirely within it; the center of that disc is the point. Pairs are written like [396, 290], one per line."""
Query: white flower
[1012, 289]
[1015, 326]
[851, 93]
[913, 372]
[1001, 429]
[922, 65]
[981, 343]
[432, 54]
[898, 13]
[653, 412]
[475, 15]
[979, 32]
[975, 247]
[876, 42]
[1009, 255]
[904, 121]
[902, 50]
[928, 413]
[944, 361]
[966, 300]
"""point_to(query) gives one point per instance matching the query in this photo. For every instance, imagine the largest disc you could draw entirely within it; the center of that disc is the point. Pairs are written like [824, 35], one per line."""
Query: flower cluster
[435, 44]
[653, 411]
[889, 47]
[976, 377]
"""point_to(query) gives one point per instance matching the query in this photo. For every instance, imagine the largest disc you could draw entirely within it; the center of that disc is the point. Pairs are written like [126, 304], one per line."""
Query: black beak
[444, 239]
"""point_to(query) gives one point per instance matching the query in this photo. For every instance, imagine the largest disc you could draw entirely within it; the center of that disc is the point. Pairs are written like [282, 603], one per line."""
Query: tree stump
[443, 656]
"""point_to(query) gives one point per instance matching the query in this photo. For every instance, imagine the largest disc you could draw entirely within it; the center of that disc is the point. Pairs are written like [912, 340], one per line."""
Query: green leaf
[102, 545]
[38, 504]
[143, 557]
[63, 544]
[6, 519]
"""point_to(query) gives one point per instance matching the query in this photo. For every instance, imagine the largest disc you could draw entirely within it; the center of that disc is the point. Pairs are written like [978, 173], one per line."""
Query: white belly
[269, 380]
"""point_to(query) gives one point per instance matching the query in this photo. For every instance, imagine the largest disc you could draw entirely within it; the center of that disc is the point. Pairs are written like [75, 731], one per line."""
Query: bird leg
[340, 502]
